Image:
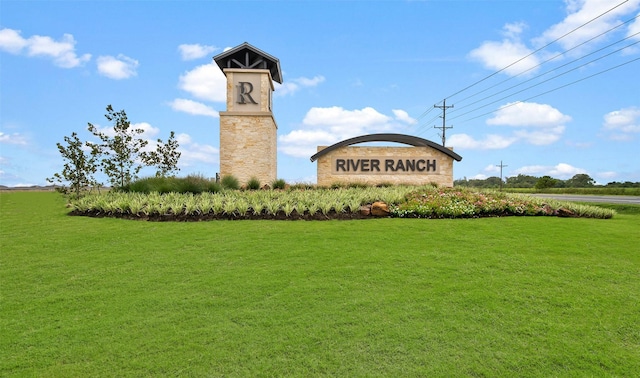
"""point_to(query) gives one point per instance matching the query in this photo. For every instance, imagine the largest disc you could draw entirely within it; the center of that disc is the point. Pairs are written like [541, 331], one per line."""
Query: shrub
[192, 184]
[213, 187]
[302, 186]
[165, 185]
[253, 184]
[144, 185]
[230, 182]
[358, 185]
[278, 184]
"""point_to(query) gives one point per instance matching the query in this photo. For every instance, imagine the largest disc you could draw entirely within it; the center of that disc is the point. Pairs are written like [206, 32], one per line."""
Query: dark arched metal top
[397, 138]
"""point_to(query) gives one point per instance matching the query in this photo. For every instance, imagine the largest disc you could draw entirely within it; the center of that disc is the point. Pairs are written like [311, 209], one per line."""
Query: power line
[424, 114]
[553, 90]
[538, 50]
[542, 82]
[426, 124]
[564, 65]
[557, 56]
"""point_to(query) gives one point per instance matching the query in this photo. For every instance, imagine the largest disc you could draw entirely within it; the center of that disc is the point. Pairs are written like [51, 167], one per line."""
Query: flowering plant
[466, 203]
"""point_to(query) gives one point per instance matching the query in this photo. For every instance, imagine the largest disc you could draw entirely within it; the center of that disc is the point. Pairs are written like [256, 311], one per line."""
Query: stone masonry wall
[443, 176]
[248, 146]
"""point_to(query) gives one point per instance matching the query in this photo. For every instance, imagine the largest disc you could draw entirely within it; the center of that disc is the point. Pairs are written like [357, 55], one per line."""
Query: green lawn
[516, 296]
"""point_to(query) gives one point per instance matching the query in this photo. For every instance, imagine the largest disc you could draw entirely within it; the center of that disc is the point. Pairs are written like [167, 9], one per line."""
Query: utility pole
[501, 166]
[444, 108]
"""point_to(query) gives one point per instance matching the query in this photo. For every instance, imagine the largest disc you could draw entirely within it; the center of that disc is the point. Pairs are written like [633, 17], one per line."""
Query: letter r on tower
[244, 93]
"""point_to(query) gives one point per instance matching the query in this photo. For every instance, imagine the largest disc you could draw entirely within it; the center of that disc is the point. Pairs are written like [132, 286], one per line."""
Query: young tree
[165, 157]
[521, 181]
[79, 166]
[545, 182]
[581, 180]
[492, 182]
[122, 153]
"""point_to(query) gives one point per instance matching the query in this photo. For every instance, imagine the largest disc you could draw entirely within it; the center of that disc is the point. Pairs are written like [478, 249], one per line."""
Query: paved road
[628, 200]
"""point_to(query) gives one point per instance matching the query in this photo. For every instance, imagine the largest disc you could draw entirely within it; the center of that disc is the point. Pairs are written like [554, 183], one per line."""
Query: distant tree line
[580, 180]
[120, 155]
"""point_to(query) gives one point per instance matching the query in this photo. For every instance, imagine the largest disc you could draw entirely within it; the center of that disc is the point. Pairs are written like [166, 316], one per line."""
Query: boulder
[380, 209]
[548, 210]
[565, 213]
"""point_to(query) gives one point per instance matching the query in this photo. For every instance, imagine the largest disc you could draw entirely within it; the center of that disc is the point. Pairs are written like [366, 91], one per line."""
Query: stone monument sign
[248, 130]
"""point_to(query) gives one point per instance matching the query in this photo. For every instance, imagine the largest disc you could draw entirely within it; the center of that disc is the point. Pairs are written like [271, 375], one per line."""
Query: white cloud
[195, 51]
[206, 82]
[538, 124]
[293, 85]
[11, 41]
[14, 138]
[106, 130]
[403, 116]
[623, 123]
[301, 136]
[490, 142]
[303, 143]
[120, 67]
[306, 82]
[183, 138]
[540, 138]
[581, 24]
[339, 119]
[580, 12]
[512, 31]
[325, 126]
[194, 152]
[62, 52]
[524, 114]
[497, 55]
[634, 28]
[492, 168]
[562, 171]
[193, 107]
[148, 131]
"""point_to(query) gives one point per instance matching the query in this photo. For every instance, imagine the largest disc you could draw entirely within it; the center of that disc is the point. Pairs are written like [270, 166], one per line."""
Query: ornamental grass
[404, 202]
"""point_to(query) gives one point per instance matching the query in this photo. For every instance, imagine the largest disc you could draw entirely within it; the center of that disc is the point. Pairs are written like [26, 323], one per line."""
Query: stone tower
[248, 131]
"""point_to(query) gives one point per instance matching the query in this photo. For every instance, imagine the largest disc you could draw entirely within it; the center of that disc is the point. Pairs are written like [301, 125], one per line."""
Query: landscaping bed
[324, 204]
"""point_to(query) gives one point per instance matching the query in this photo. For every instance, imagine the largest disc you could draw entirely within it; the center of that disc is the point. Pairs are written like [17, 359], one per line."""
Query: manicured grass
[601, 191]
[619, 208]
[515, 296]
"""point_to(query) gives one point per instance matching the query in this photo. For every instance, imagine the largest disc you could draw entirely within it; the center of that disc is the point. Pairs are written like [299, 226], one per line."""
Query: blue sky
[350, 68]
